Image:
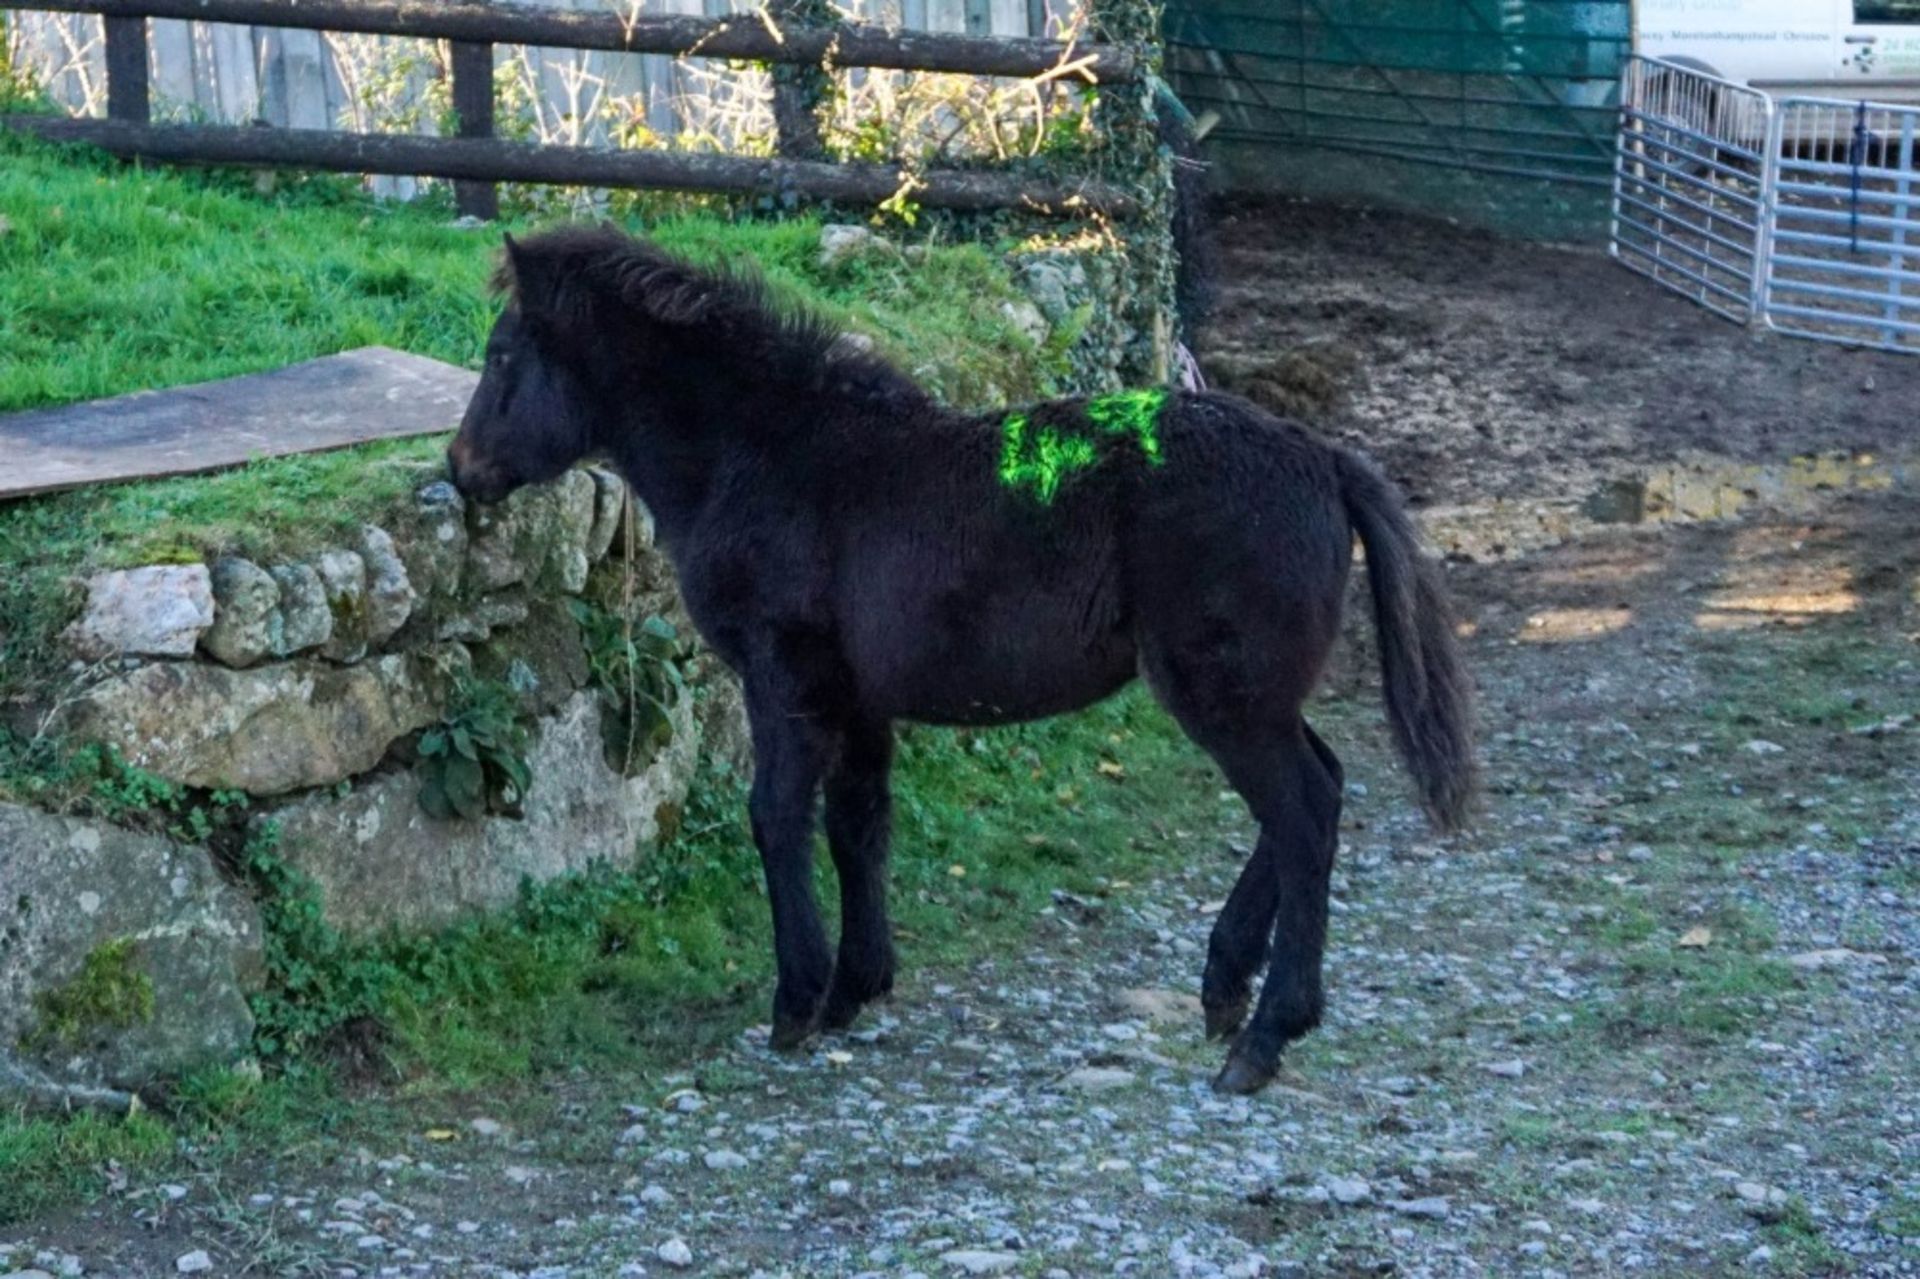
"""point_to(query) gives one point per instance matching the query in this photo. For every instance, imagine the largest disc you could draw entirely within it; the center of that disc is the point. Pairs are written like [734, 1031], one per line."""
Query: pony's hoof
[790, 1033]
[848, 995]
[1225, 1020]
[840, 1013]
[1242, 1077]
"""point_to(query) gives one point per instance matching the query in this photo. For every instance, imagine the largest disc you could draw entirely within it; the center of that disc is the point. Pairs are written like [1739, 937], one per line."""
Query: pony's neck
[674, 443]
[697, 405]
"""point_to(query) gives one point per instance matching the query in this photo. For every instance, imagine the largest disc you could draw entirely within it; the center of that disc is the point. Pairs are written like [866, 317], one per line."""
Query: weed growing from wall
[316, 980]
[475, 762]
[93, 780]
[637, 671]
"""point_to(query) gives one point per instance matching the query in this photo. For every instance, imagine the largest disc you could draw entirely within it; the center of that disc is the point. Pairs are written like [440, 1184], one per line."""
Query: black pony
[859, 554]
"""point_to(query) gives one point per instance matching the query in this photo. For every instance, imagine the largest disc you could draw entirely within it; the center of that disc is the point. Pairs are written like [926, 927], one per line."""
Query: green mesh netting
[1498, 111]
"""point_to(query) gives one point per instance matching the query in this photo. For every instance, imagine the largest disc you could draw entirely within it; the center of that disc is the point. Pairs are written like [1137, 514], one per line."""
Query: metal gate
[1690, 187]
[1844, 259]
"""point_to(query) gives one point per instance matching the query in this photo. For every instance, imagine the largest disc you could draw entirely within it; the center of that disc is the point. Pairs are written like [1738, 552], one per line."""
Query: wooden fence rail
[748, 36]
[487, 160]
[476, 160]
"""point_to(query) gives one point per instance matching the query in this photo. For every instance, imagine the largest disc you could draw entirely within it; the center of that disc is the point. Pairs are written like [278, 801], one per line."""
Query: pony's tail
[1429, 699]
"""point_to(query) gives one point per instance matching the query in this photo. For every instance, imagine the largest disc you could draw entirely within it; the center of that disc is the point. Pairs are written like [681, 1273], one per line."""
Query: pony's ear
[538, 279]
[511, 259]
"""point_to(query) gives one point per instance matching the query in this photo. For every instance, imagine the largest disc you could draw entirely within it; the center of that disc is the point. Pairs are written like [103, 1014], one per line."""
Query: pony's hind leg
[1299, 819]
[1243, 932]
[1238, 946]
[859, 821]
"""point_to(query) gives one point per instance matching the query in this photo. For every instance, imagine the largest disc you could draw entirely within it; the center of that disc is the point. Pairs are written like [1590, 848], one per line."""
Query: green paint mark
[1041, 459]
[1135, 413]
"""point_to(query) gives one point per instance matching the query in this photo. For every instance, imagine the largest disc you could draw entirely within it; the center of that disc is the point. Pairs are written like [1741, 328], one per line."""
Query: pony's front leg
[789, 755]
[859, 815]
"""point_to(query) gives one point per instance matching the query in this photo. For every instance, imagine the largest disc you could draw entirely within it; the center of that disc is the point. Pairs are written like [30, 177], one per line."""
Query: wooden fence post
[127, 97]
[473, 105]
[798, 91]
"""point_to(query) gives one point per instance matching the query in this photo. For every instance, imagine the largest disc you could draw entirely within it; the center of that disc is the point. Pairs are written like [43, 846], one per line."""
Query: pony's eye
[497, 359]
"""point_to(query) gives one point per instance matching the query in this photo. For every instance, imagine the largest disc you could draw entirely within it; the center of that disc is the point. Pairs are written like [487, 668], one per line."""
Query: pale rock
[432, 543]
[1349, 1190]
[266, 730]
[246, 613]
[1161, 1005]
[305, 620]
[343, 577]
[196, 939]
[1027, 319]
[841, 242]
[851, 345]
[609, 501]
[159, 611]
[1762, 1202]
[981, 1261]
[390, 593]
[378, 861]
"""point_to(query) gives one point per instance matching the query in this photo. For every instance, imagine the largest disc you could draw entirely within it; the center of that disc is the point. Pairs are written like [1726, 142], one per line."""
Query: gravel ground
[1654, 1016]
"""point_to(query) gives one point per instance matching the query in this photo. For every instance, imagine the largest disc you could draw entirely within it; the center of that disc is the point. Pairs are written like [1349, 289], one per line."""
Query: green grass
[45, 1162]
[116, 279]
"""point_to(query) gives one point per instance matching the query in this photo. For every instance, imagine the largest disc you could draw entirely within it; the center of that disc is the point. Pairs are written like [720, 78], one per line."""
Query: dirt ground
[1475, 367]
[1655, 1015]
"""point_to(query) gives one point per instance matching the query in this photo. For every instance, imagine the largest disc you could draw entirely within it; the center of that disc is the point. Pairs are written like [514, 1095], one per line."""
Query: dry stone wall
[304, 685]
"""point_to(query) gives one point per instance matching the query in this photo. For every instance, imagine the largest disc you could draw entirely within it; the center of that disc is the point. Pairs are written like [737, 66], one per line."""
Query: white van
[1819, 48]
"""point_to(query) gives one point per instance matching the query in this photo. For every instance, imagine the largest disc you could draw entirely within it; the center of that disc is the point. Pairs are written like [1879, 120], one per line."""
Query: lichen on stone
[109, 992]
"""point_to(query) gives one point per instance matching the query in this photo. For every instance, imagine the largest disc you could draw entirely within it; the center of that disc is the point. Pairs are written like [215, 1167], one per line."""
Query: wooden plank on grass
[370, 394]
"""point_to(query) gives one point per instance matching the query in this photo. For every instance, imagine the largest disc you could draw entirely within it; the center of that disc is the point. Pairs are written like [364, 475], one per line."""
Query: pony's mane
[732, 312]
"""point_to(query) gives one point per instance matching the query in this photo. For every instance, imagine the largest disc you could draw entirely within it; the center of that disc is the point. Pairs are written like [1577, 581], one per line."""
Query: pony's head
[530, 417]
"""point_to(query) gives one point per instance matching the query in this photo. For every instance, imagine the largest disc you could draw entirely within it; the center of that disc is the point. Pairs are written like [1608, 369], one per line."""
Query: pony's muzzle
[476, 481]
